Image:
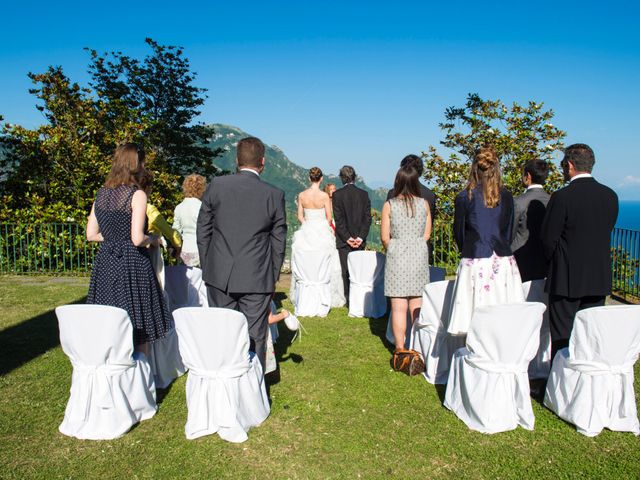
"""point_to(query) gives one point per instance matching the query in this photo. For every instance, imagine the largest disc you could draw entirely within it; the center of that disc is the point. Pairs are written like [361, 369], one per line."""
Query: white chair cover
[591, 381]
[366, 286]
[312, 274]
[225, 385]
[488, 387]
[541, 364]
[165, 361]
[437, 274]
[111, 388]
[430, 336]
[185, 287]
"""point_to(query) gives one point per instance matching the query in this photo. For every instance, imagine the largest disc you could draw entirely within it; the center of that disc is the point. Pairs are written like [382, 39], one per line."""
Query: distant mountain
[283, 173]
[279, 171]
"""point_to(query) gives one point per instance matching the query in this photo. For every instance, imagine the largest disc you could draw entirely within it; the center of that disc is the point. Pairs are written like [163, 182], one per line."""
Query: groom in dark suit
[576, 235]
[241, 234]
[528, 213]
[352, 214]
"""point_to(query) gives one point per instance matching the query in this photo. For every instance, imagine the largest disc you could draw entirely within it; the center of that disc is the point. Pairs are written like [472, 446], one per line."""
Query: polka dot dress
[406, 269]
[122, 274]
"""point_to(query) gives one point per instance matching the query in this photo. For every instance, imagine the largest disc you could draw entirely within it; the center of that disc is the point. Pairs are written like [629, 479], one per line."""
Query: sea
[629, 215]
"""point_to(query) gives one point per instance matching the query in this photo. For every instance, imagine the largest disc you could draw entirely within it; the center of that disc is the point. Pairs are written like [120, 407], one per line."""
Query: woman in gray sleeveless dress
[405, 229]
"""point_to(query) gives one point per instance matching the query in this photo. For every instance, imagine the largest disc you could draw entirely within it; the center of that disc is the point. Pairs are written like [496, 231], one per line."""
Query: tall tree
[160, 87]
[517, 132]
[51, 173]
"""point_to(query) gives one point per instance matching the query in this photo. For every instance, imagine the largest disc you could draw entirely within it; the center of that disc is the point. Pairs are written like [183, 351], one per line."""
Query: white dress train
[315, 234]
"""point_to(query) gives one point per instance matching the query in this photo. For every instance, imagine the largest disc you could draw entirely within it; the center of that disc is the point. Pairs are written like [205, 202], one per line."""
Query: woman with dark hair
[314, 214]
[122, 274]
[487, 273]
[405, 229]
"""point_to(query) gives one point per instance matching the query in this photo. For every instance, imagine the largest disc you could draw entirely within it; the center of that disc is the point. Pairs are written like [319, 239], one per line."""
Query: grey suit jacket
[241, 234]
[529, 210]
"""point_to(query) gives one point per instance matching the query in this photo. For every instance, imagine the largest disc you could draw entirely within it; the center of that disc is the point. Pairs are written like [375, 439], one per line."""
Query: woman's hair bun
[486, 157]
[315, 174]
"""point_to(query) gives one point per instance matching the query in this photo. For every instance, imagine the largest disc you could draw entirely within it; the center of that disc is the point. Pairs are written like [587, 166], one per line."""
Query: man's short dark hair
[250, 152]
[347, 174]
[414, 161]
[581, 156]
[538, 169]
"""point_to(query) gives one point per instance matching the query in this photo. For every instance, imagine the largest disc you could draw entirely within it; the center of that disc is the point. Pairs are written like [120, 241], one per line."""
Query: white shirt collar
[581, 175]
[534, 185]
[250, 170]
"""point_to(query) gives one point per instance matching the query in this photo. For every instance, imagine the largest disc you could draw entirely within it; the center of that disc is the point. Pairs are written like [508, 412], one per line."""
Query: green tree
[518, 133]
[160, 87]
[51, 173]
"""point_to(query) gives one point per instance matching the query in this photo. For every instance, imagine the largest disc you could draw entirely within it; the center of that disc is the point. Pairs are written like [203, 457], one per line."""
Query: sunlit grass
[338, 412]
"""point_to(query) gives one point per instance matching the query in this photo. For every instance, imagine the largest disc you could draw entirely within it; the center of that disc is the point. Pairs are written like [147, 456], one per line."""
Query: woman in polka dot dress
[122, 274]
[405, 229]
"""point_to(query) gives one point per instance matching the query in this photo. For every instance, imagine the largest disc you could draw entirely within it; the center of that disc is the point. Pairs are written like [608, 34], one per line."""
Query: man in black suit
[241, 234]
[416, 162]
[529, 209]
[352, 214]
[576, 235]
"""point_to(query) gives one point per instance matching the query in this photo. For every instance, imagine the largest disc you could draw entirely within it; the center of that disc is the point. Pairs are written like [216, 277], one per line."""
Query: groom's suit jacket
[528, 213]
[352, 214]
[576, 235]
[241, 234]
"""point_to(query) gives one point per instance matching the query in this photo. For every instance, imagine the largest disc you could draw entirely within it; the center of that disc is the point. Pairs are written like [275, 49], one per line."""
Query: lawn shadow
[27, 340]
[378, 327]
[441, 389]
[282, 345]
[161, 393]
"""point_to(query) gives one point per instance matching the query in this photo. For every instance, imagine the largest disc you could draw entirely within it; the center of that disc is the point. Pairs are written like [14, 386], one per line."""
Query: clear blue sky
[362, 83]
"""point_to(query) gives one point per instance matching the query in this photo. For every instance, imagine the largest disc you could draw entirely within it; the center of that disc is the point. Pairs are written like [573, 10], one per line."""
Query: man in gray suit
[241, 234]
[529, 210]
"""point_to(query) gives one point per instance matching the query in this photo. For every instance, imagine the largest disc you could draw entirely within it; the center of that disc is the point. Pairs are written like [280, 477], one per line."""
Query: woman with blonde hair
[122, 275]
[185, 218]
[315, 215]
[483, 219]
[329, 188]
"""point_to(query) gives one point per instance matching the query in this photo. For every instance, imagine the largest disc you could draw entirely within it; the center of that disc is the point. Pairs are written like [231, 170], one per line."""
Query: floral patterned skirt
[480, 282]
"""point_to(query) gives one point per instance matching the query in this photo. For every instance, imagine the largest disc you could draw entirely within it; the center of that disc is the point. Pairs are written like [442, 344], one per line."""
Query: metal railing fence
[58, 248]
[625, 256]
[62, 248]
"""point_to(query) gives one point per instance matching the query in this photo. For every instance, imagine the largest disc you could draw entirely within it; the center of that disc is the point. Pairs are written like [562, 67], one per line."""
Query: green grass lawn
[338, 412]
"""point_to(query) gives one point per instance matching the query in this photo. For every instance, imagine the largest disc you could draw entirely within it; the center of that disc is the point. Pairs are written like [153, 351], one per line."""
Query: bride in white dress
[315, 233]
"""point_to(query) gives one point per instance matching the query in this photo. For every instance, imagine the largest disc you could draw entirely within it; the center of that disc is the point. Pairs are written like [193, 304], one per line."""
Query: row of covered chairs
[113, 387]
[312, 274]
[487, 373]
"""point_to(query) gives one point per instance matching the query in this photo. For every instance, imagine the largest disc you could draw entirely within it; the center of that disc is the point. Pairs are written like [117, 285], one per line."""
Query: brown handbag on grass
[407, 361]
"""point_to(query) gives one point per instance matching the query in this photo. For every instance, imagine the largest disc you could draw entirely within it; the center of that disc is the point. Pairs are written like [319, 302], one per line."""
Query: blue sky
[361, 83]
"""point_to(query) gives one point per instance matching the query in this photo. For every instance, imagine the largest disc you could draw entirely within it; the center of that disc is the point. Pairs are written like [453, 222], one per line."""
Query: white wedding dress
[315, 234]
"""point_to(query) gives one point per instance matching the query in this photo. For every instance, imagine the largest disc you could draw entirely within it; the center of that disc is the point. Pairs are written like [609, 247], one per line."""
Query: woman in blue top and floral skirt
[487, 273]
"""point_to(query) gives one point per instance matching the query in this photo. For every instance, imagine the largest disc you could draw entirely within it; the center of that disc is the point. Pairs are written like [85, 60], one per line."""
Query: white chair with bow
[183, 287]
[591, 381]
[541, 363]
[225, 385]
[366, 284]
[311, 270]
[488, 386]
[430, 336]
[112, 387]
